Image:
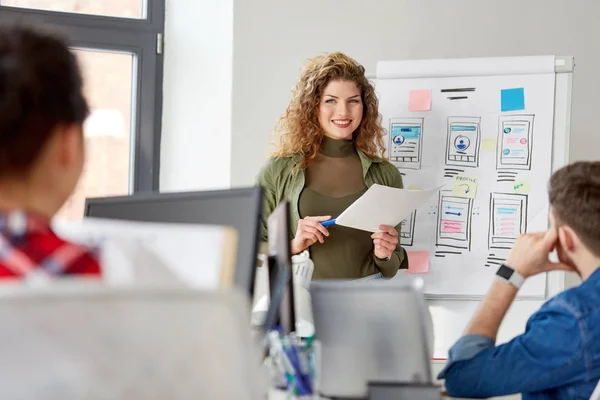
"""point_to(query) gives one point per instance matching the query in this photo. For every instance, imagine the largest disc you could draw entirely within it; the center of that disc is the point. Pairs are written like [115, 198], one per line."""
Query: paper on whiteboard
[383, 205]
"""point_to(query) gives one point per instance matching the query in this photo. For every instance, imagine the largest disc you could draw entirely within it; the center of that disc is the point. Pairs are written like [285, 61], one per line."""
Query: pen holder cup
[293, 366]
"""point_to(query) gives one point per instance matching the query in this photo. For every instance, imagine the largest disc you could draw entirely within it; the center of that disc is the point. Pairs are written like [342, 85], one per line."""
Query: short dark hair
[574, 193]
[40, 88]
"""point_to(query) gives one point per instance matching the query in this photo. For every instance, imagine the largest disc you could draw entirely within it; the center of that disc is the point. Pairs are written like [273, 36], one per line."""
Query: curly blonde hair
[299, 128]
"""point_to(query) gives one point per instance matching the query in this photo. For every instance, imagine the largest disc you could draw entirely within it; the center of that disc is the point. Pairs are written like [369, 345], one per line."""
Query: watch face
[505, 272]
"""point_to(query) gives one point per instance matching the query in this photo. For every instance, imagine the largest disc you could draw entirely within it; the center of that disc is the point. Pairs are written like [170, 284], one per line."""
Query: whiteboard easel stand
[563, 67]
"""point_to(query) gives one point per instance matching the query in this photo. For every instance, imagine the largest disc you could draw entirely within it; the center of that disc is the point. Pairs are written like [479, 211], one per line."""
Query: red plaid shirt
[28, 246]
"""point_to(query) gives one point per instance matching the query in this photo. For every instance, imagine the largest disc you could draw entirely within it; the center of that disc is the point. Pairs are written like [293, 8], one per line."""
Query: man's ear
[566, 237]
[70, 139]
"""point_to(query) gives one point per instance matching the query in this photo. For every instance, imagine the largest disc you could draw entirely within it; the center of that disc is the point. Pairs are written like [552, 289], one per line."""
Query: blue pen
[328, 222]
[299, 358]
[293, 365]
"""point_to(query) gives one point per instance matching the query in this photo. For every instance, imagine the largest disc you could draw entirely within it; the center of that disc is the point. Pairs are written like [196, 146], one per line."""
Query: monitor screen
[238, 208]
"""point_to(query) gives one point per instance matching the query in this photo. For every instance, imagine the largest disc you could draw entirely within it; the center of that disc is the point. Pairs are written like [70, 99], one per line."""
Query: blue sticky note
[512, 99]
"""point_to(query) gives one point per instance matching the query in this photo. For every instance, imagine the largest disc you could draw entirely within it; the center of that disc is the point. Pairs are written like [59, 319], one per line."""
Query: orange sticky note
[419, 100]
[418, 262]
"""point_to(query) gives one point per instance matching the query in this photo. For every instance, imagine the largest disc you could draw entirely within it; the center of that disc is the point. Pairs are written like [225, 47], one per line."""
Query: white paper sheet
[466, 250]
[151, 253]
[382, 205]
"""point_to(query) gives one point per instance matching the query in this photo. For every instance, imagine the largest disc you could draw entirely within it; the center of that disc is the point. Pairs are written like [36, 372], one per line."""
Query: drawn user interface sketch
[406, 136]
[454, 222]
[407, 227]
[515, 142]
[462, 146]
[508, 219]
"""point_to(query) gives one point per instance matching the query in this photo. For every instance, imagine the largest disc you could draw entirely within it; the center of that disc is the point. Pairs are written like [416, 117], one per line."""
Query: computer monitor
[238, 208]
[371, 332]
[281, 310]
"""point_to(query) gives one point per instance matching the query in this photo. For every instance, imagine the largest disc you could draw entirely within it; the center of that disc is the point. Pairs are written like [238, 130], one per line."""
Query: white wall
[196, 134]
[272, 38]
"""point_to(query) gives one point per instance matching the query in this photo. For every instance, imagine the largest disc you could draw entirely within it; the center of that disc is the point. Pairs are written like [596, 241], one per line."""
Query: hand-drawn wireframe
[508, 219]
[407, 230]
[452, 172]
[443, 254]
[493, 259]
[454, 221]
[406, 142]
[515, 142]
[463, 141]
[506, 176]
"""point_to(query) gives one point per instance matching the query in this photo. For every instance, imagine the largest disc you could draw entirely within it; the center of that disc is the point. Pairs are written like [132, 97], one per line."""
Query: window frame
[141, 37]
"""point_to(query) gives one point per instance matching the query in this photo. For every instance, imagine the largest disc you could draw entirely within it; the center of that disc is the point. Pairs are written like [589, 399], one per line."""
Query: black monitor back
[281, 310]
[238, 208]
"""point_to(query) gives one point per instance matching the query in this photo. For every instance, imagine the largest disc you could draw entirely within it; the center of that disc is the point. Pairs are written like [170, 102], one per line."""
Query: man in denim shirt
[558, 356]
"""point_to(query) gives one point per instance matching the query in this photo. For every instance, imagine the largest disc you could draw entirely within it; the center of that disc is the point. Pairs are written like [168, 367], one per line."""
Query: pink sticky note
[419, 100]
[418, 262]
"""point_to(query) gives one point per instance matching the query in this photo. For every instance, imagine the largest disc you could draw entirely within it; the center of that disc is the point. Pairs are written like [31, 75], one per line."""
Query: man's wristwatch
[383, 259]
[510, 275]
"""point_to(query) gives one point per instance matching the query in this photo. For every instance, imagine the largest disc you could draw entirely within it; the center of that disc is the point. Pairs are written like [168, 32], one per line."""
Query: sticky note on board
[464, 186]
[521, 187]
[419, 100]
[512, 99]
[418, 262]
[489, 144]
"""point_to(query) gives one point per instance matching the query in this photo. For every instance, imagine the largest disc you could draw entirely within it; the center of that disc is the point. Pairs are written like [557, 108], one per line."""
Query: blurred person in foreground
[42, 111]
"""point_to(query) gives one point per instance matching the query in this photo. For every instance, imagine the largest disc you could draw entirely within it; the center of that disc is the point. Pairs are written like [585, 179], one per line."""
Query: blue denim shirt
[558, 356]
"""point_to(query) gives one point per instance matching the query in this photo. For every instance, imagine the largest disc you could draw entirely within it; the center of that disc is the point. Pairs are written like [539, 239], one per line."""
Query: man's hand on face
[529, 255]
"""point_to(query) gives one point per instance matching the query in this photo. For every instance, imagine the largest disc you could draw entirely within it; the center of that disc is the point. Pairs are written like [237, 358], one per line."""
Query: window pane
[113, 8]
[109, 81]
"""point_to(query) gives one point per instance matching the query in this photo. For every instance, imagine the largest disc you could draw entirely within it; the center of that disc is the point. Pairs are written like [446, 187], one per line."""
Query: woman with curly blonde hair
[331, 151]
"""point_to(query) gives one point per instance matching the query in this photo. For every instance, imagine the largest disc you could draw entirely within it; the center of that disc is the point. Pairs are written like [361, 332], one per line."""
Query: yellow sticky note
[521, 187]
[488, 144]
[464, 186]
[413, 187]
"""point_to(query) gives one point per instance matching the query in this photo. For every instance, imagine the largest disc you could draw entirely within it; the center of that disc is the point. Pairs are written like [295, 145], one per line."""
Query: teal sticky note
[512, 99]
